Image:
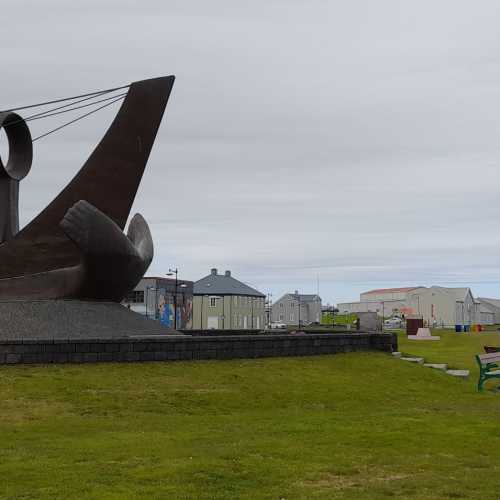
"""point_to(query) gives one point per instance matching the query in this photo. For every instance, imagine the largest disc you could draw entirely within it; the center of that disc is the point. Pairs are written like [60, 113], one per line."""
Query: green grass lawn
[456, 349]
[349, 426]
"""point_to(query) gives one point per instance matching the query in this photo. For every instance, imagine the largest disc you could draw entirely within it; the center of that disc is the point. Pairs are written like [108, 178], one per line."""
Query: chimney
[213, 271]
[227, 273]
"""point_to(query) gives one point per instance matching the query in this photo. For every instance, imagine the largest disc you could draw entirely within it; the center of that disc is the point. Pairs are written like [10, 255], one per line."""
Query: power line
[77, 119]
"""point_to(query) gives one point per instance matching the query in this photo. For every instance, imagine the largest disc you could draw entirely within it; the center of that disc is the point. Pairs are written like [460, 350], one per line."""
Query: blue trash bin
[466, 328]
[458, 328]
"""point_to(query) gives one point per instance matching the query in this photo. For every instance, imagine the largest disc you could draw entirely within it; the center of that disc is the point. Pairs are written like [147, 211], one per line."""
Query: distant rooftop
[305, 297]
[494, 302]
[223, 284]
[391, 290]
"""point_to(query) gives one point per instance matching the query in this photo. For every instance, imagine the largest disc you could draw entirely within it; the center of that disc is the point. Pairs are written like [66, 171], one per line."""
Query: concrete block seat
[424, 334]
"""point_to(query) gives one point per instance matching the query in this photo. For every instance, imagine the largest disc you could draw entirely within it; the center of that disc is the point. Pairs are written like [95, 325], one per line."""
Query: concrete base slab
[458, 373]
[437, 366]
[423, 337]
[420, 361]
[73, 319]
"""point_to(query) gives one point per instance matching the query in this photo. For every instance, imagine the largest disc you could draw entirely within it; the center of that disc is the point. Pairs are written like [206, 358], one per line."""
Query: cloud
[354, 141]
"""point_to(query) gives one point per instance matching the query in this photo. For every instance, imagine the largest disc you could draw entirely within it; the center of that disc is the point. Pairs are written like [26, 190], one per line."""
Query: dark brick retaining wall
[185, 348]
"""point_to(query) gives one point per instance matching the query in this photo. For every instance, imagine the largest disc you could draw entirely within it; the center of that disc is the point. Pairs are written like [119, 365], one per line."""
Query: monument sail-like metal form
[75, 248]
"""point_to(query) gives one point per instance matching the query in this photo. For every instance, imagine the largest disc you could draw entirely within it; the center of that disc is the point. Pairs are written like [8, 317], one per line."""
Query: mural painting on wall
[187, 313]
[166, 311]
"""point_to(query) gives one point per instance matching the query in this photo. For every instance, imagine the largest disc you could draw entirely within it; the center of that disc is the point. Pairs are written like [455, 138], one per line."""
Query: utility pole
[171, 272]
[298, 302]
[383, 316]
[269, 309]
[251, 302]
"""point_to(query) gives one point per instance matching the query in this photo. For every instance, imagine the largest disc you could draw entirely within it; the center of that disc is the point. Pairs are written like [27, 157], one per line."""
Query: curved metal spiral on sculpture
[75, 247]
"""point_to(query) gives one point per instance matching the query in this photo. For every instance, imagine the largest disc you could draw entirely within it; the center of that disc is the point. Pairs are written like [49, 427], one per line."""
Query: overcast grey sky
[357, 141]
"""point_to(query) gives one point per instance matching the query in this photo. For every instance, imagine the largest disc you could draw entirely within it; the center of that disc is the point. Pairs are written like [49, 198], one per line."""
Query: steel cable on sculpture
[75, 247]
[20, 157]
[66, 108]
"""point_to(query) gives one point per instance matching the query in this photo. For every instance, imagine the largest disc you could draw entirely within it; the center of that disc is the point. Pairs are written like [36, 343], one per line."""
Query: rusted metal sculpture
[16, 168]
[76, 248]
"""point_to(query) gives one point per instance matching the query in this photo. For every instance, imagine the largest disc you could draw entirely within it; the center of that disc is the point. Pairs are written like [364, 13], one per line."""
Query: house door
[245, 322]
[213, 322]
[258, 322]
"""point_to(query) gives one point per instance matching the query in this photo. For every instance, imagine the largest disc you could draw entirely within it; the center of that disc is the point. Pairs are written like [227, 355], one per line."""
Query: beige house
[221, 302]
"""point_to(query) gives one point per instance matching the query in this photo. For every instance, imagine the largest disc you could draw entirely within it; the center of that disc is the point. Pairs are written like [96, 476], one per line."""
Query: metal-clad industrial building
[492, 306]
[383, 301]
[438, 306]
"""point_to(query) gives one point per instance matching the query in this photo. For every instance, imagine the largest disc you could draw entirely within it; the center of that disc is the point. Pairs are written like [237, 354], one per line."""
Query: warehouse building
[491, 306]
[384, 301]
[438, 306]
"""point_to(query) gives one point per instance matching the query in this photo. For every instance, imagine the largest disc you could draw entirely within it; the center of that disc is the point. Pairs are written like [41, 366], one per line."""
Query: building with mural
[222, 302]
[164, 300]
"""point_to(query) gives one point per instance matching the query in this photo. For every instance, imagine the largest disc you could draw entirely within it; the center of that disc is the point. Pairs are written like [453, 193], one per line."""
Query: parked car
[393, 323]
[278, 324]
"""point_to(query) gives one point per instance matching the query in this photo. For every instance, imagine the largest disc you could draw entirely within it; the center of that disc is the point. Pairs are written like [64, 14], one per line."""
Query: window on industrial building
[135, 297]
[213, 301]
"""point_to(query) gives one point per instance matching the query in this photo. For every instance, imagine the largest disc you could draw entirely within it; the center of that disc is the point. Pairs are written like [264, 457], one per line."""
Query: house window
[281, 304]
[281, 317]
[291, 317]
[213, 301]
[135, 297]
[235, 300]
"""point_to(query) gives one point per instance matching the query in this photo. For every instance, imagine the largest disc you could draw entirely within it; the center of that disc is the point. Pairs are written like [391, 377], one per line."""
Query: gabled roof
[486, 307]
[302, 297]
[458, 293]
[223, 284]
[493, 302]
[390, 290]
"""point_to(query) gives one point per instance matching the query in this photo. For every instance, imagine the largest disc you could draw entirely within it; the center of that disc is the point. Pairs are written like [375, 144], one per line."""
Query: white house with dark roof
[222, 302]
[297, 309]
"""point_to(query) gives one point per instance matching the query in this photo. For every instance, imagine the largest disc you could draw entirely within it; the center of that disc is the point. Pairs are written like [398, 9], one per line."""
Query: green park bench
[487, 363]
[491, 348]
